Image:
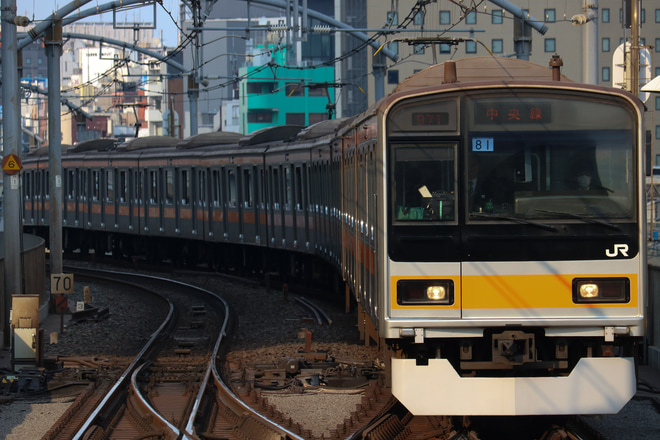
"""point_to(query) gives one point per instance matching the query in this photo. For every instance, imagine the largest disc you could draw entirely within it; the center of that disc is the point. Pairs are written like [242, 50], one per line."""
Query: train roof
[211, 138]
[323, 128]
[479, 69]
[147, 142]
[102, 144]
[271, 134]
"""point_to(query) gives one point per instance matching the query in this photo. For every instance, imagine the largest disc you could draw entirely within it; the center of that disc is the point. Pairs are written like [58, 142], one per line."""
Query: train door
[154, 203]
[288, 211]
[186, 217]
[233, 228]
[109, 210]
[96, 197]
[71, 198]
[215, 216]
[28, 197]
[259, 200]
[124, 202]
[140, 214]
[43, 196]
[248, 205]
[86, 198]
[201, 191]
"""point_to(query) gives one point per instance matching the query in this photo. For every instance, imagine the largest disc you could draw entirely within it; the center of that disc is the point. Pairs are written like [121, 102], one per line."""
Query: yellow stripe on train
[547, 291]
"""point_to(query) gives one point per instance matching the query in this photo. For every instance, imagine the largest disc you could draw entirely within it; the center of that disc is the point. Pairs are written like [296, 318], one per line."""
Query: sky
[41, 9]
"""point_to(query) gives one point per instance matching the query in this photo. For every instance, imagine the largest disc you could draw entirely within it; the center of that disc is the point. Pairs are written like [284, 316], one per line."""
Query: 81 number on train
[482, 144]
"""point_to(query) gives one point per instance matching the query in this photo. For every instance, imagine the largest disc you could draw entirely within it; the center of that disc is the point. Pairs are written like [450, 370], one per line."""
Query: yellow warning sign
[11, 164]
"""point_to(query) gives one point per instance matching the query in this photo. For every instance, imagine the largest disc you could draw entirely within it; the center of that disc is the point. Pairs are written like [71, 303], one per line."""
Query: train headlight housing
[425, 292]
[601, 290]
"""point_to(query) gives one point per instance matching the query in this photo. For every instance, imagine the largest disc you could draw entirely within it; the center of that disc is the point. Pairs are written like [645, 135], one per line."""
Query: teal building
[280, 95]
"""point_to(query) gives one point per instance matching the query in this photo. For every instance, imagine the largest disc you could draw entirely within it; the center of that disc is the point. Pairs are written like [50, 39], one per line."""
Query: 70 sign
[61, 283]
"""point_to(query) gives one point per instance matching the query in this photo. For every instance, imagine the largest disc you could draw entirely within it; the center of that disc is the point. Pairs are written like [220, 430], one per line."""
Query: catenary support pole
[12, 194]
[53, 43]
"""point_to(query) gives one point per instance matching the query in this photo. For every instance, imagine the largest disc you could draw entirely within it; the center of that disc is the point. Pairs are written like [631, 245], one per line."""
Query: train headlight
[601, 290]
[425, 292]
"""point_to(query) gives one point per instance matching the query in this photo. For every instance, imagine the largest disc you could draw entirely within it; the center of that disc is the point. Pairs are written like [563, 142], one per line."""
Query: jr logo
[618, 248]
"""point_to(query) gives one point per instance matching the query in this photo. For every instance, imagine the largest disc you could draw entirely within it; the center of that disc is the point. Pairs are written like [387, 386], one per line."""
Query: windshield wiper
[514, 219]
[584, 218]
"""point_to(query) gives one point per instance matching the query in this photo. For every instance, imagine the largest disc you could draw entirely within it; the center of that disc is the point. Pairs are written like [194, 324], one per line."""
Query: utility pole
[12, 194]
[634, 47]
[53, 43]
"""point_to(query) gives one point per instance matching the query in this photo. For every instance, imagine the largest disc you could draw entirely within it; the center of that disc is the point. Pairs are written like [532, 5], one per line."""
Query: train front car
[514, 248]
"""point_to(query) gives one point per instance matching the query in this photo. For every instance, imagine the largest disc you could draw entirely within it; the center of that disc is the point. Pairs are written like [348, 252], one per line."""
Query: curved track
[174, 375]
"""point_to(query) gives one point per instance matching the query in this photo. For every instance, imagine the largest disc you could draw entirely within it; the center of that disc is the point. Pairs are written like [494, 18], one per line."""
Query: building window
[605, 45]
[259, 116]
[497, 17]
[418, 49]
[28, 61]
[295, 119]
[657, 102]
[393, 77]
[497, 46]
[317, 91]
[550, 15]
[445, 48]
[642, 16]
[393, 47]
[257, 87]
[657, 131]
[605, 15]
[657, 15]
[392, 18]
[419, 18]
[471, 18]
[295, 89]
[620, 15]
[445, 17]
[470, 47]
[605, 74]
[657, 71]
[550, 45]
[317, 117]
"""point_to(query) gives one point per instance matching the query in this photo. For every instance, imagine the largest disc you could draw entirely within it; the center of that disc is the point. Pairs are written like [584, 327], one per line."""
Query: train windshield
[543, 158]
[528, 158]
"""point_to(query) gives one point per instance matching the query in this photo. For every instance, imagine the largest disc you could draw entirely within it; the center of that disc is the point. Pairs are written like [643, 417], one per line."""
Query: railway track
[174, 375]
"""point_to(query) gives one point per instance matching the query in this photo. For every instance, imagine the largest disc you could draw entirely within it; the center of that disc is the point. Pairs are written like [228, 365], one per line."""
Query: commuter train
[487, 218]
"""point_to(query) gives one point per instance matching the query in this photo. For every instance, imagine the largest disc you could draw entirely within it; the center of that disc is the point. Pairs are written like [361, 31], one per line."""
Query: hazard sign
[61, 303]
[11, 164]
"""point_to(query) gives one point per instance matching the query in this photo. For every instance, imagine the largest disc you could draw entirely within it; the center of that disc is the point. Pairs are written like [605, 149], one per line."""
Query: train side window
[288, 194]
[83, 182]
[153, 185]
[247, 188]
[46, 187]
[109, 186]
[71, 184]
[185, 187]
[275, 188]
[231, 187]
[169, 187]
[123, 186]
[96, 185]
[299, 189]
[216, 185]
[27, 187]
[201, 188]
